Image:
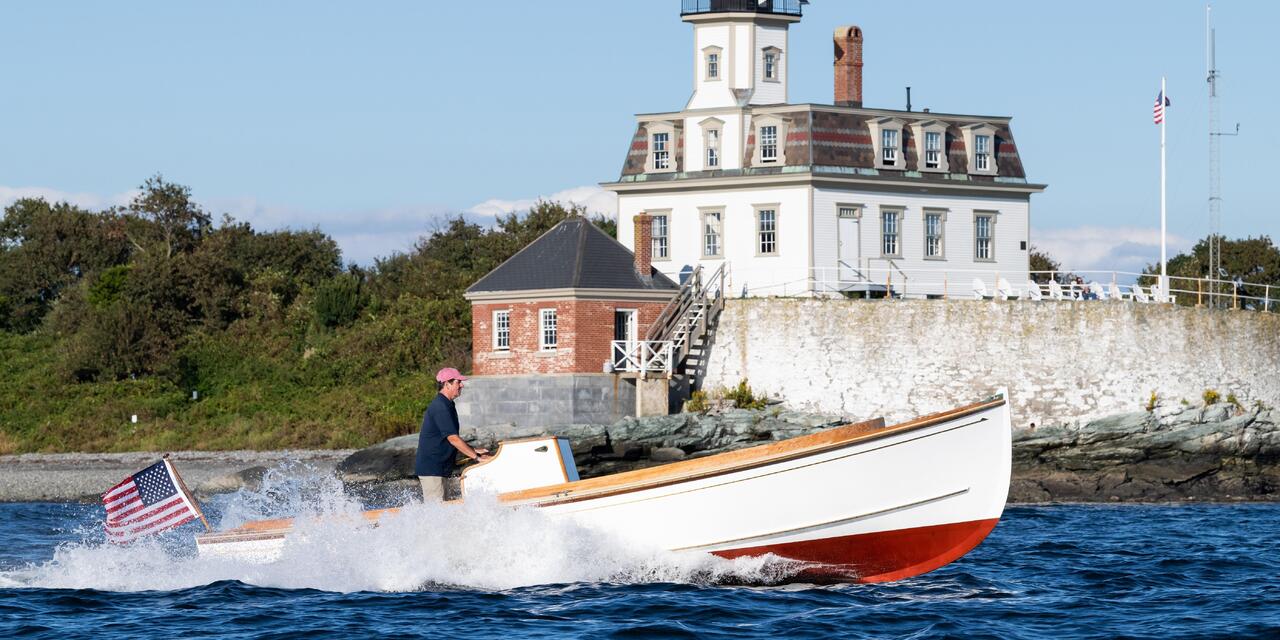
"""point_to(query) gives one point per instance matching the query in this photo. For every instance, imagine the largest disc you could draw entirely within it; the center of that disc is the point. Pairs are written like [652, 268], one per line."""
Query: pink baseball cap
[449, 373]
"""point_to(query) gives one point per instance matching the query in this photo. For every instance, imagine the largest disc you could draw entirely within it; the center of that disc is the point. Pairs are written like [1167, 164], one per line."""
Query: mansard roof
[827, 139]
[574, 254]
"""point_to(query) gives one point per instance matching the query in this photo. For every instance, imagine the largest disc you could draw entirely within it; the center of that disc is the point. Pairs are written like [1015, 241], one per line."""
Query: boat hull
[864, 502]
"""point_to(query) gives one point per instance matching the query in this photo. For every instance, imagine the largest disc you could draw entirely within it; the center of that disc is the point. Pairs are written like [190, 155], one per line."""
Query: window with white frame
[889, 146]
[980, 144]
[933, 234]
[661, 150]
[712, 234]
[547, 338]
[713, 148]
[886, 142]
[661, 245]
[713, 63]
[769, 143]
[982, 153]
[932, 149]
[767, 231]
[890, 219]
[984, 236]
[772, 58]
[502, 330]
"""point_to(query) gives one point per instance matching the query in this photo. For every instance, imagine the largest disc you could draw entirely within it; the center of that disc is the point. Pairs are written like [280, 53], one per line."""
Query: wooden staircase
[687, 319]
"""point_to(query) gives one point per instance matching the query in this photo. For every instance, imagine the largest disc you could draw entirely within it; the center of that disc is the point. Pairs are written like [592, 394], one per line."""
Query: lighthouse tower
[740, 51]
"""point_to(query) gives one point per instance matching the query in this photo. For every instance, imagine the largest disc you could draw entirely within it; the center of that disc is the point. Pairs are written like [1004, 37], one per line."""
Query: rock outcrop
[1219, 452]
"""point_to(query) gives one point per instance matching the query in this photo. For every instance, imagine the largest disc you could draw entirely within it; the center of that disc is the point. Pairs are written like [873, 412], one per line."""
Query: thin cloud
[595, 200]
[9, 195]
[1091, 248]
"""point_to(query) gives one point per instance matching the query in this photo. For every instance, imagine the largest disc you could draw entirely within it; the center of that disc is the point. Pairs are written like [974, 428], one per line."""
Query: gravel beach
[60, 477]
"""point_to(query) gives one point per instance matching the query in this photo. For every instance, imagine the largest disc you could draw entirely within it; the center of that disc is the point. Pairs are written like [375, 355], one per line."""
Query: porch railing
[642, 356]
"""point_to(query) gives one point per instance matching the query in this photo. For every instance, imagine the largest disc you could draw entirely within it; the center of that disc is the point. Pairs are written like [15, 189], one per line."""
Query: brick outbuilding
[550, 324]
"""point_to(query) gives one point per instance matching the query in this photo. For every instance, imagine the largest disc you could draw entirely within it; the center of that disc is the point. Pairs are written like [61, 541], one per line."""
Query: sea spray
[476, 544]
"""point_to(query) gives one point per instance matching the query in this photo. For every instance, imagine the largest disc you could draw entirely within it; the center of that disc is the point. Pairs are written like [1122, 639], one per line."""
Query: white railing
[876, 280]
[642, 356]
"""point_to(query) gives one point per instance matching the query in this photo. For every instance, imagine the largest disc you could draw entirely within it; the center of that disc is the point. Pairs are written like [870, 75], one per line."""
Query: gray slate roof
[574, 254]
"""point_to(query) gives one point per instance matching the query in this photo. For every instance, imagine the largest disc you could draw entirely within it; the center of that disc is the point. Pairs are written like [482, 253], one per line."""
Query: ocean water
[482, 570]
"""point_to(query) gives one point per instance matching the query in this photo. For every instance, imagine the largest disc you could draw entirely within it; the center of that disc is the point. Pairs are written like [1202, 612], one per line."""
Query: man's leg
[432, 488]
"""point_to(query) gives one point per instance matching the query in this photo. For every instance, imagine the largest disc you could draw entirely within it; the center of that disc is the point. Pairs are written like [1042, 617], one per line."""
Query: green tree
[1041, 261]
[1254, 262]
[173, 223]
[44, 249]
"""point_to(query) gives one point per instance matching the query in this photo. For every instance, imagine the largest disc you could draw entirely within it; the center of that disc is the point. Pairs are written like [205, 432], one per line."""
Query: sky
[374, 121]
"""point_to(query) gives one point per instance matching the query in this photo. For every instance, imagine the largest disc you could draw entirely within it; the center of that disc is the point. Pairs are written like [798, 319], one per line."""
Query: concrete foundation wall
[1063, 362]
[546, 400]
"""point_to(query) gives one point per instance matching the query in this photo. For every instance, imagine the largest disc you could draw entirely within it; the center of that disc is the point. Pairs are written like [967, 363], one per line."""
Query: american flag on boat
[148, 502]
[1157, 112]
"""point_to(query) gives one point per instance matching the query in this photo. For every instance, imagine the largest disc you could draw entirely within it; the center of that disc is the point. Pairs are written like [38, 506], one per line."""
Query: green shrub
[1211, 397]
[1153, 401]
[1234, 401]
[743, 397]
[338, 301]
[109, 286]
[697, 402]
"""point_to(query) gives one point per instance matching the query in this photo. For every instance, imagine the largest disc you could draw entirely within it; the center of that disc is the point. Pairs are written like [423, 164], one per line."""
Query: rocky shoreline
[1219, 452]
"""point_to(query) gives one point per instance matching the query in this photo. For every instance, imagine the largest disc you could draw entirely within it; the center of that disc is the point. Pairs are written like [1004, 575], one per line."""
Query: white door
[847, 239]
[626, 330]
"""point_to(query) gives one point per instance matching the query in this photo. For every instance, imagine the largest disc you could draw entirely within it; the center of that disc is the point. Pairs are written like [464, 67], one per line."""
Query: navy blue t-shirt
[435, 454]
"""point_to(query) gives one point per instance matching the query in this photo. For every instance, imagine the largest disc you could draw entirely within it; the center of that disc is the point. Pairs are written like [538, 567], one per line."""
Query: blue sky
[371, 120]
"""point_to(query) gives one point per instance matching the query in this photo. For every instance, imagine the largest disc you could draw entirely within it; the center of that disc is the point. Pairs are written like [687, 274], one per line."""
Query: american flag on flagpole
[148, 502]
[1157, 112]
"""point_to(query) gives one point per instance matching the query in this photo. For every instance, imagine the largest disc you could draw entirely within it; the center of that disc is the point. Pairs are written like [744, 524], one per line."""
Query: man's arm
[479, 455]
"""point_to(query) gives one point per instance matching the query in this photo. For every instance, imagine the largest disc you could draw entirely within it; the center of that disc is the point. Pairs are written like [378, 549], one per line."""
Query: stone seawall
[1063, 362]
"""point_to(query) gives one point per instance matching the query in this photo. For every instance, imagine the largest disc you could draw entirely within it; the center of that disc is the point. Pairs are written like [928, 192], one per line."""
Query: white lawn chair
[979, 289]
[1004, 290]
[1116, 293]
[1055, 291]
[1139, 294]
[1033, 291]
[1098, 290]
[1156, 294]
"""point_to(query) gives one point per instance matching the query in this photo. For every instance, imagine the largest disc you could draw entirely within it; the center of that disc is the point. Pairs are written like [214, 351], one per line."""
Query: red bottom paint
[882, 556]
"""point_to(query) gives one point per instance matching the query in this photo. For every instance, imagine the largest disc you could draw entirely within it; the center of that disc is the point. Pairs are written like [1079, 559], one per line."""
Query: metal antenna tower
[1215, 160]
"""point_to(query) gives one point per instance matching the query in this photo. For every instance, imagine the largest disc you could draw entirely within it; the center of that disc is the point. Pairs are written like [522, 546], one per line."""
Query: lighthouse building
[818, 199]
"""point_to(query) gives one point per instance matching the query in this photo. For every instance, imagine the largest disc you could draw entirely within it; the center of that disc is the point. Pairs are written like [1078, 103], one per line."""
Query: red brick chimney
[644, 244]
[848, 66]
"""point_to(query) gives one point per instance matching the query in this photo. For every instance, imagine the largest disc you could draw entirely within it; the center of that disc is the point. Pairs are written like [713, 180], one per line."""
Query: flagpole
[1164, 258]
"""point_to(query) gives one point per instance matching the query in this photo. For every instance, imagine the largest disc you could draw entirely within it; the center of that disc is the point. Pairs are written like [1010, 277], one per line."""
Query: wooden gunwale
[733, 461]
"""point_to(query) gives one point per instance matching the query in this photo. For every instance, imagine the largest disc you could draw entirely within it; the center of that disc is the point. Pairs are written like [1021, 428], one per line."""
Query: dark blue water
[1046, 572]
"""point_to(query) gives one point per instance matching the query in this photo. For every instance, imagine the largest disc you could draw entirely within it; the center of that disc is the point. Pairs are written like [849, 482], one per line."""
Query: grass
[255, 392]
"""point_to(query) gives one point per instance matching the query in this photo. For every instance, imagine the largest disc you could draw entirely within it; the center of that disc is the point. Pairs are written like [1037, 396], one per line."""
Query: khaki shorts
[432, 488]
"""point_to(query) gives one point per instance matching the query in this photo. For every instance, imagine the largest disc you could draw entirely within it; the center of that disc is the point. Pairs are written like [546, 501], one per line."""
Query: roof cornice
[570, 294]
[957, 118]
[809, 178]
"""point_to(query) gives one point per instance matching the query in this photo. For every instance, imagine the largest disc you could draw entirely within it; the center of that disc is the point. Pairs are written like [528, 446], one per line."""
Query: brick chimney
[644, 245]
[848, 66]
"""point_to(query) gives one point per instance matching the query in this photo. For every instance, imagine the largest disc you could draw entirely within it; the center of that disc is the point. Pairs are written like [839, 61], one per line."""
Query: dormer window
[771, 140]
[661, 150]
[889, 146]
[886, 140]
[769, 143]
[980, 146]
[772, 60]
[931, 143]
[711, 63]
[982, 153]
[662, 146]
[932, 150]
[711, 134]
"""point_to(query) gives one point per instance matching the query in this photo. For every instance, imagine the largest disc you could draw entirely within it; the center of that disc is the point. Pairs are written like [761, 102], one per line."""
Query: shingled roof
[574, 254]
